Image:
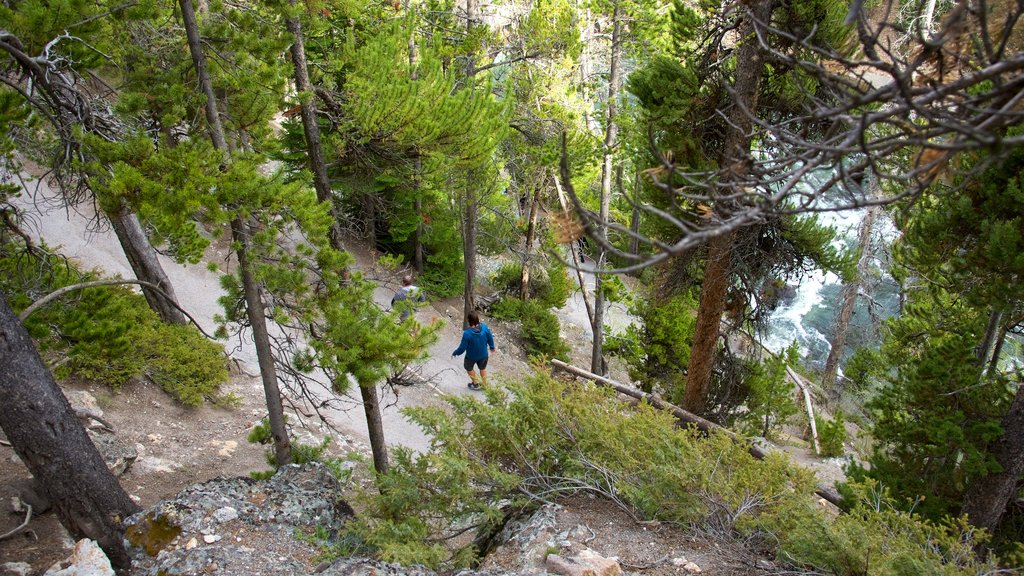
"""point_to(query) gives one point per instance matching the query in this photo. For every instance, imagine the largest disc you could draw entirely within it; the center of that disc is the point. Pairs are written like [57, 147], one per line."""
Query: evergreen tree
[701, 110]
[946, 423]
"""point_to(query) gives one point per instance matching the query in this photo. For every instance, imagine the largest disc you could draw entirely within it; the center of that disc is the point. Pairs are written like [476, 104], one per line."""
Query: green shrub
[507, 309]
[542, 332]
[831, 434]
[547, 436]
[875, 538]
[549, 285]
[770, 403]
[301, 453]
[109, 335]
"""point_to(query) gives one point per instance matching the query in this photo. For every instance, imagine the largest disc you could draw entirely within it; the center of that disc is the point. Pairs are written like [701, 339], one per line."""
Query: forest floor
[181, 446]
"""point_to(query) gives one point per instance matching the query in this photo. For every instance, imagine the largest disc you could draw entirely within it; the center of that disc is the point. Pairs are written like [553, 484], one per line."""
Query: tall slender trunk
[470, 205]
[735, 160]
[469, 252]
[575, 259]
[417, 168]
[417, 255]
[995, 322]
[261, 338]
[311, 128]
[195, 47]
[610, 141]
[634, 220]
[987, 497]
[849, 297]
[240, 235]
[993, 362]
[375, 427]
[48, 437]
[143, 260]
[531, 231]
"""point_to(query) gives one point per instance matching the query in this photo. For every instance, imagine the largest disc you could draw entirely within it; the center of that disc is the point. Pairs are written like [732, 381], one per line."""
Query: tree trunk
[709, 320]
[311, 128]
[610, 137]
[469, 252]
[50, 440]
[261, 339]
[987, 497]
[240, 235]
[417, 255]
[144, 263]
[995, 322]
[575, 260]
[735, 162]
[531, 230]
[993, 362]
[375, 427]
[850, 291]
[634, 220]
[195, 47]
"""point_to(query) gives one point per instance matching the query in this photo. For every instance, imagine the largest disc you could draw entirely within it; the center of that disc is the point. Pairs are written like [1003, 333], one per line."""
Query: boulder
[584, 563]
[87, 559]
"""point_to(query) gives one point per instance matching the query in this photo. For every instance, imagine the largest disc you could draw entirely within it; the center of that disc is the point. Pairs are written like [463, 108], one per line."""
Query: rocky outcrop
[238, 525]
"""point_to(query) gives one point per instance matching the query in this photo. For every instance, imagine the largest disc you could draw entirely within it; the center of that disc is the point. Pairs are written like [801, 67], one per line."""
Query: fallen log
[702, 424]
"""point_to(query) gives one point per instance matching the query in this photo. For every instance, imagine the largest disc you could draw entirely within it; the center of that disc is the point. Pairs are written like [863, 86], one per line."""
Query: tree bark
[240, 235]
[735, 162]
[311, 128]
[709, 320]
[850, 291]
[469, 252]
[417, 255]
[195, 47]
[610, 140]
[375, 427]
[531, 230]
[144, 263]
[50, 440]
[987, 497]
[261, 339]
[995, 322]
[634, 220]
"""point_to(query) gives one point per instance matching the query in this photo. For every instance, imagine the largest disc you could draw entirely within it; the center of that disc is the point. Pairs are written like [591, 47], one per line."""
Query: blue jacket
[475, 342]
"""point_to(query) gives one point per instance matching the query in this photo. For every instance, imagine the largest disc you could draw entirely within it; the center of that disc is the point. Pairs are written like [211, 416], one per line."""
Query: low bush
[542, 332]
[109, 335]
[545, 436]
[831, 434]
[301, 453]
[549, 285]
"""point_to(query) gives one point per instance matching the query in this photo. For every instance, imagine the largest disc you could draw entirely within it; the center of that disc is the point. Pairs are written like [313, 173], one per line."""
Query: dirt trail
[78, 234]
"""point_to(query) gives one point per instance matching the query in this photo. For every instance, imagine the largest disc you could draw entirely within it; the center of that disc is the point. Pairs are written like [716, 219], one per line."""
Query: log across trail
[702, 424]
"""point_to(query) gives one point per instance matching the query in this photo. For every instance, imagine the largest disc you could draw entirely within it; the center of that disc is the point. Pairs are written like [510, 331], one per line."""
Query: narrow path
[78, 235]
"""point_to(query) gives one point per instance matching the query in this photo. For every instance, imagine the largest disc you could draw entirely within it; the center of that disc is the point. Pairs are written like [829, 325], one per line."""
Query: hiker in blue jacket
[475, 341]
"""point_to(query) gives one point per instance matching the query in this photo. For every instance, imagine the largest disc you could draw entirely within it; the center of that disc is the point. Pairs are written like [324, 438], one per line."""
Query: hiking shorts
[469, 364]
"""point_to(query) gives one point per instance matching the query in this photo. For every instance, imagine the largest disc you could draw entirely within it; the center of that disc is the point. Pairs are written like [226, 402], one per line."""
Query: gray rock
[237, 525]
[118, 455]
[225, 514]
[15, 569]
[87, 559]
[83, 402]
